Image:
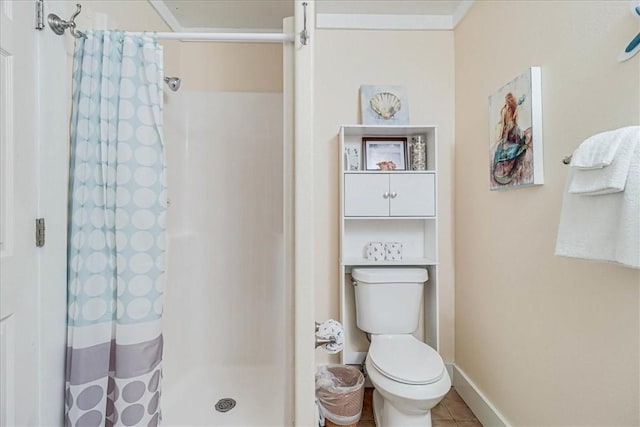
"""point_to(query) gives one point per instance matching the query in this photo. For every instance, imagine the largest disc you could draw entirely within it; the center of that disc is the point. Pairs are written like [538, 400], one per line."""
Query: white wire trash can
[339, 395]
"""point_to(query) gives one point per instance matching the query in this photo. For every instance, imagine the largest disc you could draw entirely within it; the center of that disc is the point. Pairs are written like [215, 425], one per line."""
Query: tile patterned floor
[451, 412]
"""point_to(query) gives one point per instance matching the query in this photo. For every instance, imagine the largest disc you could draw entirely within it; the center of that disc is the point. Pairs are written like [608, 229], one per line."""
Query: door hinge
[40, 232]
[40, 15]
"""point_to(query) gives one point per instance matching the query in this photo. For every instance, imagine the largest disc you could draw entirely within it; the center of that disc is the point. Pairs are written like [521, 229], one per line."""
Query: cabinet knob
[386, 195]
[393, 195]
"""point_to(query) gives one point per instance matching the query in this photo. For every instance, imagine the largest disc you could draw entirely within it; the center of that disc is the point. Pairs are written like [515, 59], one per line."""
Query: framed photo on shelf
[384, 153]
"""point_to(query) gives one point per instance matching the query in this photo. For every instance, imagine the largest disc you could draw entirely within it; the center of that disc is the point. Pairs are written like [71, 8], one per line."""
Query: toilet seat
[405, 359]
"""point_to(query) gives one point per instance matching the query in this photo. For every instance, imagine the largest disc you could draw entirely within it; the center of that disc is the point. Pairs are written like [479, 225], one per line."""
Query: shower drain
[225, 405]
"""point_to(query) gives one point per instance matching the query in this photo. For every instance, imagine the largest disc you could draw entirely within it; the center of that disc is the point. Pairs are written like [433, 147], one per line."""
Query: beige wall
[231, 67]
[549, 340]
[421, 61]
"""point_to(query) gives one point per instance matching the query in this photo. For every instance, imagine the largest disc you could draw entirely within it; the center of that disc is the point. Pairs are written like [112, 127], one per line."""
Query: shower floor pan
[258, 391]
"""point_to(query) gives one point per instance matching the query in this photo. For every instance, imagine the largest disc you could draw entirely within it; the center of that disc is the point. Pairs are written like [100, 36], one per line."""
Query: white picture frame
[385, 153]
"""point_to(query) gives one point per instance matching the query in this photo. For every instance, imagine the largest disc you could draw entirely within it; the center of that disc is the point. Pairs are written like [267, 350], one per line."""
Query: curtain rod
[232, 37]
[59, 25]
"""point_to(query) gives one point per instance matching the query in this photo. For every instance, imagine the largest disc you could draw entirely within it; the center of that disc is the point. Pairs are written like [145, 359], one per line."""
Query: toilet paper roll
[374, 251]
[393, 251]
[331, 330]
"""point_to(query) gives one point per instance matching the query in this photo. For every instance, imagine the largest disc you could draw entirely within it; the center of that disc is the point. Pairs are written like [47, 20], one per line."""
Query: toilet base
[386, 415]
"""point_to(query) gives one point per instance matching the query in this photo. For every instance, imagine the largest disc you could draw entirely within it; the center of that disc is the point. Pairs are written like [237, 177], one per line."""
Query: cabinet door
[366, 195]
[412, 195]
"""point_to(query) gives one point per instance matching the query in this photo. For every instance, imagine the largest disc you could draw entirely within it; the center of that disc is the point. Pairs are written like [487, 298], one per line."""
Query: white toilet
[409, 376]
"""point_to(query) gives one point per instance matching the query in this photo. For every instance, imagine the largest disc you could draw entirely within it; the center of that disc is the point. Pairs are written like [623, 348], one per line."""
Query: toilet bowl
[409, 376]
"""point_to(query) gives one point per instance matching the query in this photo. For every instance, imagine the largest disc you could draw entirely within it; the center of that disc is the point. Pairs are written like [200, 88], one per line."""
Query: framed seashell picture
[384, 105]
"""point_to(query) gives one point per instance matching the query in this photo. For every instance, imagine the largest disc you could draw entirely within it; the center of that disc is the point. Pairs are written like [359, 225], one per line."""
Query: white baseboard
[449, 367]
[483, 409]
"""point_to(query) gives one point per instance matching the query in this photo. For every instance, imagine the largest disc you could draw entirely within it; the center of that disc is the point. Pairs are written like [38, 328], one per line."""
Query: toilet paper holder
[322, 341]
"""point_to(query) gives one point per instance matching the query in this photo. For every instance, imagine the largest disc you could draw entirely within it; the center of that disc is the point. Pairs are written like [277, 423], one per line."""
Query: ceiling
[267, 15]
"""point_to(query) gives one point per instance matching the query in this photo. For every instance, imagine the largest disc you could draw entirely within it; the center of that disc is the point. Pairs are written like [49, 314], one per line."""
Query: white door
[33, 183]
[18, 253]
[412, 195]
[366, 194]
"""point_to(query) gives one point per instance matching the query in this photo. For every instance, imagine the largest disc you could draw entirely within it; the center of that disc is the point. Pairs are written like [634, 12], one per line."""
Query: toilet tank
[388, 299]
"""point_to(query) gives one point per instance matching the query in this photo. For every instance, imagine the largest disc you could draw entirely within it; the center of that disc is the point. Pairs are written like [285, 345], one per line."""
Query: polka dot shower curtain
[116, 232]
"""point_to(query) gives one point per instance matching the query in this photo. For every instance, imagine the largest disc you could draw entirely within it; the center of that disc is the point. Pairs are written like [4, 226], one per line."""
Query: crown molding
[383, 22]
[347, 21]
[394, 22]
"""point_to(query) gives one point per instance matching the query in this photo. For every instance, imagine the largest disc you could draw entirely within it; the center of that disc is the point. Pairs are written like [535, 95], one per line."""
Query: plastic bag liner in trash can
[339, 392]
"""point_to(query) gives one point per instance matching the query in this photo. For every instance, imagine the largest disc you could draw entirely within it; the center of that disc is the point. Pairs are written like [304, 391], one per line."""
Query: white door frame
[33, 278]
[53, 91]
[304, 290]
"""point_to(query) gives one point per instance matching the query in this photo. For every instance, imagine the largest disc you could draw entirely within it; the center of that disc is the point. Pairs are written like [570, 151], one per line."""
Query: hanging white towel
[613, 177]
[598, 151]
[331, 330]
[605, 227]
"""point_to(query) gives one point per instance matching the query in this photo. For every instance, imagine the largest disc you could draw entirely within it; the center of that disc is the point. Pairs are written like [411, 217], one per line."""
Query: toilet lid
[405, 359]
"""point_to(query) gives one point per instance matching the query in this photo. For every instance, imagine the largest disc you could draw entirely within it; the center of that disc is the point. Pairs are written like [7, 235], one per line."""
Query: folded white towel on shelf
[604, 228]
[612, 177]
[331, 330]
[598, 150]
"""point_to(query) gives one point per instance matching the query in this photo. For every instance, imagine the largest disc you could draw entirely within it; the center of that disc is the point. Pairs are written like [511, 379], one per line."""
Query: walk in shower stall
[237, 339]
[228, 310]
